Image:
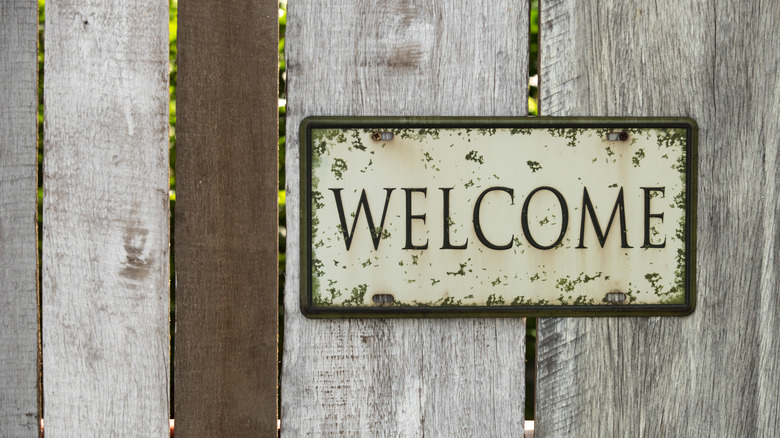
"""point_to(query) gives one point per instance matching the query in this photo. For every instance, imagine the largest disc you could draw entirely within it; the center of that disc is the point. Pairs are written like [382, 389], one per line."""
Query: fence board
[716, 372]
[414, 377]
[226, 219]
[106, 231]
[19, 353]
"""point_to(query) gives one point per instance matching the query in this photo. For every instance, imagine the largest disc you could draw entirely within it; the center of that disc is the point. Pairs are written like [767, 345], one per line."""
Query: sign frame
[399, 122]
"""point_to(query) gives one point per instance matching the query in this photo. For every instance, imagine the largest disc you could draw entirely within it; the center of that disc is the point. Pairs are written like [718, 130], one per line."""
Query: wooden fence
[106, 240]
[414, 377]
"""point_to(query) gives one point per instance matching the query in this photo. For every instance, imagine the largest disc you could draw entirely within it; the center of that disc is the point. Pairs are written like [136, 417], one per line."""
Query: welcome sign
[497, 216]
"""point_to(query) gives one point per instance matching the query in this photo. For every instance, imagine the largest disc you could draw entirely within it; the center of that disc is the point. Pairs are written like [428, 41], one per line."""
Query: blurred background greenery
[282, 104]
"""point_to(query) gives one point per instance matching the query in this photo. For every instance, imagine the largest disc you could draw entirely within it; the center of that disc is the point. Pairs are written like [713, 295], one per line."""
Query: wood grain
[413, 377]
[226, 219]
[106, 230]
[19, 352]
[716, 372]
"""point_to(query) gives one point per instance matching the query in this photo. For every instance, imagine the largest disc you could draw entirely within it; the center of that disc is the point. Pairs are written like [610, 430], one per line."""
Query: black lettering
[564, 218]
[376, 233]
[478, 225]
[410, 216]
[446, 215]
[587, 205]
[648, 216]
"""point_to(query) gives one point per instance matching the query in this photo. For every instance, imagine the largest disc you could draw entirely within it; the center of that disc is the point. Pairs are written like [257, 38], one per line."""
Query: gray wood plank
[106, 230]
[19, 352]
[716, 372]
[414, 377]
[226, 219]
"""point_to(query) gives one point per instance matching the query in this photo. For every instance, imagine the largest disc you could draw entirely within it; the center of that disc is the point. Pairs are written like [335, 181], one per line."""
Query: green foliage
[282, 88]
[533, 61]
[173, 10]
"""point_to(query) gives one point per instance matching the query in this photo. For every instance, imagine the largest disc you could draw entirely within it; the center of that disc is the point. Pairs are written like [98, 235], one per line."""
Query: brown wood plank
[106, 228]
[19, 352]
[226, 219]
[716, 372]
[413, 377]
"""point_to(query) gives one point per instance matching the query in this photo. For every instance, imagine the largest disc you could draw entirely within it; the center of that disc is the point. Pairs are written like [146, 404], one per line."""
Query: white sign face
[449, 217]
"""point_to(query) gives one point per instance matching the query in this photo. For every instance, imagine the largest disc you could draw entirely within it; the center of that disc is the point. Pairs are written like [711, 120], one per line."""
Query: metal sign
[430, 217]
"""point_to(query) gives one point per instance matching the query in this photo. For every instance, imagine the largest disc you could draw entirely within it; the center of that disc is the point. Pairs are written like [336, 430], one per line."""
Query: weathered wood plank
[716, 372]
[106, 230]
[415, 377]
[19, 352]
[226, 219]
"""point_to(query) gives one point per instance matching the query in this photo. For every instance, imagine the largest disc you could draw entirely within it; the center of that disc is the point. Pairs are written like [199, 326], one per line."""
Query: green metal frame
[305, 147]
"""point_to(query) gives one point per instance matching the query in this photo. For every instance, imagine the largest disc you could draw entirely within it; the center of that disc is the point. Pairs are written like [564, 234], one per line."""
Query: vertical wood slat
[413, 377]
[106, 230]
[19, 353]
[716, 372]
[226, 219]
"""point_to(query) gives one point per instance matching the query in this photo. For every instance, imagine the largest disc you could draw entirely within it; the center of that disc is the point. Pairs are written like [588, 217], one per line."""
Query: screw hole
[616, 297]
[617, 136]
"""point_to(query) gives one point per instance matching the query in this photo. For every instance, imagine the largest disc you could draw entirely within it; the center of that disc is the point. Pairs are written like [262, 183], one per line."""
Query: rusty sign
[497, 217]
